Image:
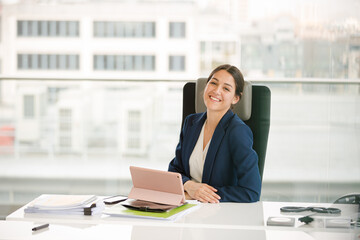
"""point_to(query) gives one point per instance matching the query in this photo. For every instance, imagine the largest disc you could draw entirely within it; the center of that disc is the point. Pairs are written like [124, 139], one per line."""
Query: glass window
[65, 120]
[99, 62]
[52, 61]
[138, 30]
[124, 29]
[110, 29]
[29, 106]
[99, 29]
[129, 29]
[34, 61]
[73, 62]
[149, 63]
[65, 128]
[149, 29]
[52, 28]
[124, 62]
[23, 61]
[134, 121]
[19, 61]
[44, 61]
[62, 61]
[177, 63]
[62, 28]
[110, 62]
[44, 28]
[129, 63]
[134, 128]
[177, 30]
[48, 61]
[120, 29]
[22, 28]
[48, 28]
[65, 142]
[202, 46]
[119, 62]
[307, 53]
[138, 63]
[34, 28]
[73, 28]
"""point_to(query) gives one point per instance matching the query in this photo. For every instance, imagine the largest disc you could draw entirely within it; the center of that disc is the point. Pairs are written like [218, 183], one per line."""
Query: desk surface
[247, 218]
[22, 230]
[235, 215]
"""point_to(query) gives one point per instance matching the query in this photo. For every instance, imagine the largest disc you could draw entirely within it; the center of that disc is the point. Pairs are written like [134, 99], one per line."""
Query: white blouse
[197, 158]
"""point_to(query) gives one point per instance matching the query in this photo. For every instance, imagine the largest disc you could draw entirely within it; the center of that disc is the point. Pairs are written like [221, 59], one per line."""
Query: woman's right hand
[202, 192]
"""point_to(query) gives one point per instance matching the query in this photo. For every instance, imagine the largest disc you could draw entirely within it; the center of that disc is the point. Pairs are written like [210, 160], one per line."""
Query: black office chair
[253, 109]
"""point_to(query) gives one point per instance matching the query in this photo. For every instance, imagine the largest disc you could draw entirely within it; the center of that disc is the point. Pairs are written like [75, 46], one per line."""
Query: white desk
[234, 215]
[245, 218]
[22, 230]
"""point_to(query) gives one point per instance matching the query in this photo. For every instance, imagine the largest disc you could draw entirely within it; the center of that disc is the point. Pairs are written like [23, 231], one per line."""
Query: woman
[215, 155]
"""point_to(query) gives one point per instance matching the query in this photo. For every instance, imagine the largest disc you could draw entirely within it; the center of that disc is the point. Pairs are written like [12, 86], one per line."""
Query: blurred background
[88, 88]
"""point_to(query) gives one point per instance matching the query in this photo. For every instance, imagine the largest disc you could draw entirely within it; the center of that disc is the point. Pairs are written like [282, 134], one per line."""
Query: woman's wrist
[187, 185]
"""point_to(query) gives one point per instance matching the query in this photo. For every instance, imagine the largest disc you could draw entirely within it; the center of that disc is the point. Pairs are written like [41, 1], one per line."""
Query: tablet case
[147, 206]
[157, 186]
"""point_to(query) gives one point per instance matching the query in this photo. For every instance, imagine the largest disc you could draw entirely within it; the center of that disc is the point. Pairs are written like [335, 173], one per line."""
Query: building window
[65, 120]
[177, 63]
[124, 62]
[124, 29]
[177, 30]
[134, 129]
[65, 128]
[48, 61]
[29, 106]
[33, 28]
[65, 142]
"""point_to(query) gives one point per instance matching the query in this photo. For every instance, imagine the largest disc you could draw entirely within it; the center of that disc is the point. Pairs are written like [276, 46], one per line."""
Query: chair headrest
[241, 108]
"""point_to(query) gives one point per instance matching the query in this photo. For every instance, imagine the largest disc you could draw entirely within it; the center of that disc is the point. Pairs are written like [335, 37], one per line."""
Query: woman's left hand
[202, 192]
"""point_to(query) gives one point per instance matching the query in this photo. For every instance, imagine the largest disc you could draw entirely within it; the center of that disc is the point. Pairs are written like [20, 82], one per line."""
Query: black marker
[40, 227]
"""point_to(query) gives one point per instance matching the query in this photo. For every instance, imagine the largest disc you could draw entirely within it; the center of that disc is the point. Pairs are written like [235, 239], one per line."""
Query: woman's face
[219, 92]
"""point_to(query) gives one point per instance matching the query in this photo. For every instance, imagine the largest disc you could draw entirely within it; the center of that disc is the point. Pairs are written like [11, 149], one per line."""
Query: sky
[325, 9]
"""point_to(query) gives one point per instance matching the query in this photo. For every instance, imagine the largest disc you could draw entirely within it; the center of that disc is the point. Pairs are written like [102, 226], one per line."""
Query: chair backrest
[253, 109]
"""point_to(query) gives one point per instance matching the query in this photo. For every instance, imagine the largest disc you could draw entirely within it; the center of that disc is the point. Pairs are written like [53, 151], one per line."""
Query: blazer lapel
[214, 145]
[193, 135]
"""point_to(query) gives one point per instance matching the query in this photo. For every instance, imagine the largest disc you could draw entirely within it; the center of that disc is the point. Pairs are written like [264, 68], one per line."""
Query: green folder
[119, 210]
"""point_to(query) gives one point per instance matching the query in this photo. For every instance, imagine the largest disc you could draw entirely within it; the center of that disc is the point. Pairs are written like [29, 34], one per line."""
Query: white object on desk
[60, 201]
[338, 223]
[281, 221]
[66, 204]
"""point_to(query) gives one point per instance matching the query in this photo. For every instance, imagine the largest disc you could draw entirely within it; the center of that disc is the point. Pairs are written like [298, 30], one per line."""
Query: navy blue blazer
[231, 164]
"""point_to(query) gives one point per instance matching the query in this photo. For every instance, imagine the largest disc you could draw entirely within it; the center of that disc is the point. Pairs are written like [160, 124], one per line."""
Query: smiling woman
[215, 154]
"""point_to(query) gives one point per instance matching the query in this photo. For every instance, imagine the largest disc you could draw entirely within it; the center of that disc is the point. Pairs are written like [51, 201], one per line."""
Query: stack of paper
[66, 204]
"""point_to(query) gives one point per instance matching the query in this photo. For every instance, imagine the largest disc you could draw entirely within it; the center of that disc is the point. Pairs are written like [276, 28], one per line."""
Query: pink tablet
[157, 186]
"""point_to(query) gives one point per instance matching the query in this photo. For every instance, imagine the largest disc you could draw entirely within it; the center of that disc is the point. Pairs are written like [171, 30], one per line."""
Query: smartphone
[114, 199]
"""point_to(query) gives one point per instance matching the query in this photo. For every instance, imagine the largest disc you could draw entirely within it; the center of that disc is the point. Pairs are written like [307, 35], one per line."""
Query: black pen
[40, 227]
